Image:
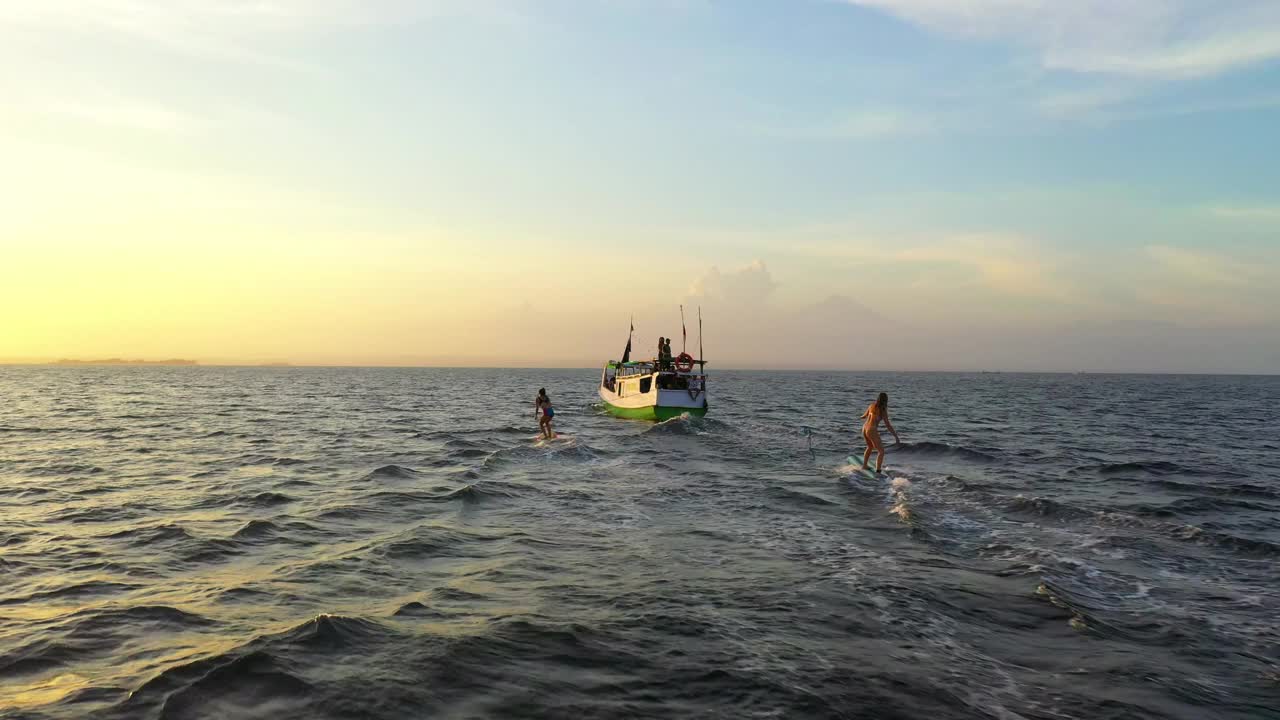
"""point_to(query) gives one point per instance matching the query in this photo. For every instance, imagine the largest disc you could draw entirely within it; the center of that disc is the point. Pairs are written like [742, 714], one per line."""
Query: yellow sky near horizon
[357, 183]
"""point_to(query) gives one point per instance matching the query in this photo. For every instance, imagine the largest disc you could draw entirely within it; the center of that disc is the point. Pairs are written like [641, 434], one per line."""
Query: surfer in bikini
[542, 405]
[877, 412]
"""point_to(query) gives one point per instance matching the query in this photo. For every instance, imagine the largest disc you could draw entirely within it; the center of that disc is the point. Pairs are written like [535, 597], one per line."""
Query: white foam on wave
[898, 488]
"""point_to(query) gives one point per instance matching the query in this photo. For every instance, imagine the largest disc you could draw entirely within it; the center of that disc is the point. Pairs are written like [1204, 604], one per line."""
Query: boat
[658, 389]
[650, 390]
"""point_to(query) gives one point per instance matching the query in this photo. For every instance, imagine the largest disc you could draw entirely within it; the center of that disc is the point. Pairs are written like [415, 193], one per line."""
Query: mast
[701, 359]
[684, 334]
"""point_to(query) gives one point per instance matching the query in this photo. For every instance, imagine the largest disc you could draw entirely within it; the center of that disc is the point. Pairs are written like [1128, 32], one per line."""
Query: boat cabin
[639, 378]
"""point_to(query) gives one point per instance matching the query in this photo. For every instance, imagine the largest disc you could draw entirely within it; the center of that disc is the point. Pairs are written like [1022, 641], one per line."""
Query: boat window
[645, 383]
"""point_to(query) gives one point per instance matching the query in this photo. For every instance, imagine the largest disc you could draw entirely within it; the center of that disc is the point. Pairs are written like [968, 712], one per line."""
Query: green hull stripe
[654, 412]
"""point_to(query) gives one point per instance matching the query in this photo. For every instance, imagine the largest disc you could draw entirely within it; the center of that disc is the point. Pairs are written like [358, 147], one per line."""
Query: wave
[255, 675]
[392, 472]
[477, 493]
[433, 541]
[343, 512]
[75, 591]
[688, 425]
[225, 685]
[1142, 517]
[100, 514]
[116, 619]
[246, 595]
[459, 448]
[143, 536]
[209, 551]
[937, 449]
[798, 497]
[256, 529]
[1106, 613]
[1229, 489]
[1154, 467]
[1198, 506]
[265, 499]
[960, 484]
[32, 430]
[329, 632]
[251, 460]
[1046, 507]
[419, 610]
[541, 451]
[1227, 541]
[456, 433]
[65, 469]
[37, 657]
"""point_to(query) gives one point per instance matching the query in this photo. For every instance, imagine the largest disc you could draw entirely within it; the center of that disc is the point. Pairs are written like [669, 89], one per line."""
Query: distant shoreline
[122, 361]
[177, 362]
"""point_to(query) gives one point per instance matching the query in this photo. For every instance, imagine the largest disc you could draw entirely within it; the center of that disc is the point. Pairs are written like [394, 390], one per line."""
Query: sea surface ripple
[198, 542]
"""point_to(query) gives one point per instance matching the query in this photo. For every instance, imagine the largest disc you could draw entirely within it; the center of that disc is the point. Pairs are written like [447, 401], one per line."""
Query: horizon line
[736, 368]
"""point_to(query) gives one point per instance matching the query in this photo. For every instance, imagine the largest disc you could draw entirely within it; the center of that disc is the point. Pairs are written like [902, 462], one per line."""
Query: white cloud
[1006, 264]
[1247, 213]
[1084, 102]
[242, 31]
[750, 284]
[126, 113]
[1139, 38]
[872, 124]
[1201, 267]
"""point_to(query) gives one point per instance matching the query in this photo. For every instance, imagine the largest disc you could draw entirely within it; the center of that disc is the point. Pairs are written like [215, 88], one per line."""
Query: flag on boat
[626, 354]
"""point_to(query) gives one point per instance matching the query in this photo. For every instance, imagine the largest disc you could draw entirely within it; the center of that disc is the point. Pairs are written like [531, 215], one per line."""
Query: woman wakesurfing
[542, 406]
[877, 412]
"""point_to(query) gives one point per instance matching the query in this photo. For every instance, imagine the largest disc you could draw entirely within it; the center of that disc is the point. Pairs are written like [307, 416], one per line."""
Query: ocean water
[392, 543]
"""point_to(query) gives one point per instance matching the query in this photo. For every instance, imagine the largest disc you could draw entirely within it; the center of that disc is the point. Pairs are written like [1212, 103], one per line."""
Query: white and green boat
[658, 389]
[649, 390]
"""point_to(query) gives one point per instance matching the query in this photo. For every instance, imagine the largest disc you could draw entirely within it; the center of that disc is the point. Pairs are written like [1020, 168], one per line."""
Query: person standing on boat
[666, 353]
[542, 407]
[661, 357]
[877, 412]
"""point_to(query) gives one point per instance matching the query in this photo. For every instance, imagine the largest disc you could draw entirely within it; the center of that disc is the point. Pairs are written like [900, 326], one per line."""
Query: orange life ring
[684, 362]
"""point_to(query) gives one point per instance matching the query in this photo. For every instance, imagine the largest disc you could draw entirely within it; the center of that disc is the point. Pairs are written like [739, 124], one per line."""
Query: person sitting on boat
[542, 405]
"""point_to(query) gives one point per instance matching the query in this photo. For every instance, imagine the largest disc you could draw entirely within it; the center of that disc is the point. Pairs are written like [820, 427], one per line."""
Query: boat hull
[654, 412]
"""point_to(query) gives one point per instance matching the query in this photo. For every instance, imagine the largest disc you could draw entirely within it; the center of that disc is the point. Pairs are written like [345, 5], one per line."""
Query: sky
[859, 184]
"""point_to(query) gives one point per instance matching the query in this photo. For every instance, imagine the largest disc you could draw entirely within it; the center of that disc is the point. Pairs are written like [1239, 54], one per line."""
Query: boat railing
[649, 367]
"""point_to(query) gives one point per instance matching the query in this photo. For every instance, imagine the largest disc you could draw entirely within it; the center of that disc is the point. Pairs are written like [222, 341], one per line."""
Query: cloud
[1006, 264]
[1076, 103]
[868, 124]
[1247, 213]
[239, 31]
[126, 113]
[1138, 38]
[750, 284]
[1201, 267]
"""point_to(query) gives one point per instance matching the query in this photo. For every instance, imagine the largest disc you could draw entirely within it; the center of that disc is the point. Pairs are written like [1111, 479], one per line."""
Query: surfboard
[558, 437]
[866, 472]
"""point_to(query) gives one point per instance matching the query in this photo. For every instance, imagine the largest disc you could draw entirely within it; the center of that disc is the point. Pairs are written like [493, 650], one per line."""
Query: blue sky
[1013, 184]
